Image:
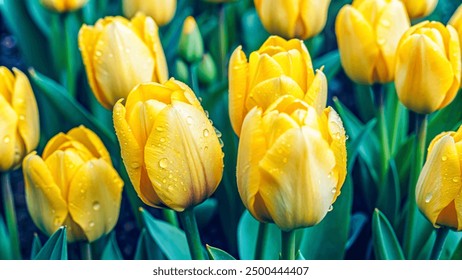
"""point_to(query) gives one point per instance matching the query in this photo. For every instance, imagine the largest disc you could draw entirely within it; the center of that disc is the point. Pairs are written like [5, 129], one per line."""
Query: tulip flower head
[439, 188]
[169, 147]
[428, 67]
[62, 6]
[291, 162]
[419, 8]
[19, 118]
[293, 19]
[368, 33]
[278, 68]
[456, 22]
[119, 54]
[73, 184]
[162, 11]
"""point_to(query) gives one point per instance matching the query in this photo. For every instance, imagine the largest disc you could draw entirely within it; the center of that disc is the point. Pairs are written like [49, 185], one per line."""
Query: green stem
[288, 245]
[261, 241]
[441, 235]
[188, 221]
[222, 42]
[383, 132]
[85, 251]
[68, 42]
[193, 81]
[416, 166]
[10, 214]
[170, 217]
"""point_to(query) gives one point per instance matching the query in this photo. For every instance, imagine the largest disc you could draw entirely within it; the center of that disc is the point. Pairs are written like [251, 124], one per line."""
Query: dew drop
[385, 22]
[456, 179]
[284, 160]
[6, 139]
[381, 41]
[98, 53]
[329, 175]
[222, 144]
[163, 163]
[189, 120]
[205, 132]
[206, 148]
[330, 208]
[444, 158]
[162, 140]
[91, 224]
[135, 165]
[218, 133]
[159, 128]
[334, 190]
[57, 221]
[22, 117]
[96, 206]
[428, 198]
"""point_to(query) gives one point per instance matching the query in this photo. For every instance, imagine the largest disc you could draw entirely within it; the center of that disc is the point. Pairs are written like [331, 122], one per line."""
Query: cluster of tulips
[290, 161]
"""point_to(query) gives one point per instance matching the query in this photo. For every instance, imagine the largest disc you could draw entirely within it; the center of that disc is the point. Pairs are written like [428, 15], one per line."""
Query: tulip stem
[193, 78]
[416, 166]
[170, 217]
[188, 221]
[10, 214]
[441, 235]
[261, 240]
[85, 251]
[383, 134]
[222, 41]
[288, 245]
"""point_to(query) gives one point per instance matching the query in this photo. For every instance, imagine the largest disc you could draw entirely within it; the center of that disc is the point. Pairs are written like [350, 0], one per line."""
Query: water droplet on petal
[22, 117]
[428, 197]
[189, 120]
[456, 179]
[163, 163]
[96, 206]
[206, 132]
[385, 22]
[444, 158]
[91, 224]
[159, 128]
[162, 140]
[98, 53]
[135, 165]
[381, 41]
[334, 190]
[57, 221]
[6, 139]
[330, 208]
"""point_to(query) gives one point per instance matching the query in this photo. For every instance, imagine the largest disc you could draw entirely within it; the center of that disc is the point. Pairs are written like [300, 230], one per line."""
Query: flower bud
[207, 70]
[162, 11]
[169, 147]
[73, 184]
[62, 6]
[439, 188]
[19, 118]
[428, 67]
[419, 8]
[191, 46]
[119, 54]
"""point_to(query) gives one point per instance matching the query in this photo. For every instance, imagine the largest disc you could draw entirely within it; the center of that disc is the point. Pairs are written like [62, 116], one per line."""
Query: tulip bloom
[73, 184]
[169, 146]
[279, 67]
[119, 54]
[19, 119]
[456, 22]
[162, 11]
[419, 8]
[439, 188]
[293, 19]
[368, 33]
[291, 163]
[428, 67]
[63, 5]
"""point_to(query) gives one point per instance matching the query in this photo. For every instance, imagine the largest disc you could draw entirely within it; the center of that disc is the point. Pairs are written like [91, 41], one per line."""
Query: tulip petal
[46, 205]
[91, 141]
[8, 135]
[26, 108]
[422, 70]
[357, 45]
[252, 148]
[266, 92]
[121, 61]
[454, 55]
[439, 180]
[293, 66]
[261, 68]
[279, 16]
[95, 194]
[184, 160]
[133, 157]
[313, 18]
[317, 93]
[238, 81]
[6, 83]
[295, 173]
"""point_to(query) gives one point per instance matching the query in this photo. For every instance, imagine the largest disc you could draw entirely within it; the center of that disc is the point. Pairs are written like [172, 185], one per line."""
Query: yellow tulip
[420, 8]
[428, 67]
[439, 188]
[456, 22]
[119, 54]
[19, 119]
[169, 147]
[63, 5]
[368, 33]
[73, 184]
[291, 163]
[279, 67]
[293, 19]
[162, 11]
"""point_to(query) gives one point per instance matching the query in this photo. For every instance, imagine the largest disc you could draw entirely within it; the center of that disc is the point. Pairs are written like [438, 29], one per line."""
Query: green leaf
[111, 251]
[71, 110]
[450, 245]
[247, 233]
[6, 252]
[457, 254]
[357, 223]
[218, 254]
[299, 256]
[354, 145]
[446, 119]
[40, 15]
[146, 248]
[36, 246]
[331, 63]
[171, 240]
[389, 200]
[205, 212]
[386, 245]
[328, 239]
[55, 248]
